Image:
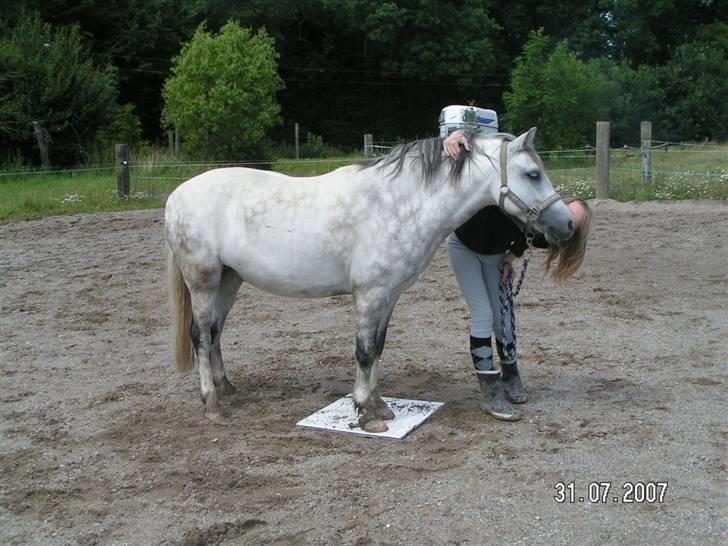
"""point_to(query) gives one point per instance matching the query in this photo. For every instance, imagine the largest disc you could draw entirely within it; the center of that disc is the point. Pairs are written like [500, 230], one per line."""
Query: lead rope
[506, 295]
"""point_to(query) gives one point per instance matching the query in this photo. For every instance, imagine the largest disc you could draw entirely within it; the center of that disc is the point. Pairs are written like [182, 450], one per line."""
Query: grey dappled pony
[368, 230]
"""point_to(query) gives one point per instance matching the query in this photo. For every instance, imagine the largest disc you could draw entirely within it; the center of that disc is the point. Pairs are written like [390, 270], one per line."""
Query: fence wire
[679, 170]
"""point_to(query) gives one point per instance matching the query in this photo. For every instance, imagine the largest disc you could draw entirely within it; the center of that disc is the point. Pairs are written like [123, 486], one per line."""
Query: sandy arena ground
[102, 442]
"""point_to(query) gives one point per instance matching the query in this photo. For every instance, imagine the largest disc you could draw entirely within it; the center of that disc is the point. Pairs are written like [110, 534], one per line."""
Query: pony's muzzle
[557, 223]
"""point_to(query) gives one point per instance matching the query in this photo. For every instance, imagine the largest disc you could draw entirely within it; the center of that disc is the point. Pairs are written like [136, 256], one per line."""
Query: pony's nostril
[571, 225]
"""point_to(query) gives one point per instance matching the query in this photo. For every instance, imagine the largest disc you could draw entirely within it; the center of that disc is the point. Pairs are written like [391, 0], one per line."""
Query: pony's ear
[525, 141]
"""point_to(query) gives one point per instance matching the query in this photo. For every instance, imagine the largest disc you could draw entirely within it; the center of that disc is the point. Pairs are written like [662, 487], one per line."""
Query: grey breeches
[478, 276]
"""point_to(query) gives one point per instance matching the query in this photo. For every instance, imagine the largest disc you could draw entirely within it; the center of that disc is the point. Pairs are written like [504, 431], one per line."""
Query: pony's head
[526, 193]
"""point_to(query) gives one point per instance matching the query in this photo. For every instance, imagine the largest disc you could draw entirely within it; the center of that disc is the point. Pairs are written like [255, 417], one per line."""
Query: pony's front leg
[372, 317]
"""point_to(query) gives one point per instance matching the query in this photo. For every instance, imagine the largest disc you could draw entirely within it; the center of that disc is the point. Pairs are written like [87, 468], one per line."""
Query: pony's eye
[533, 175]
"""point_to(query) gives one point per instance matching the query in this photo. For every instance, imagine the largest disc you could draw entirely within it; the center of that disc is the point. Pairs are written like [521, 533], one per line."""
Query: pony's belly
[283, 276]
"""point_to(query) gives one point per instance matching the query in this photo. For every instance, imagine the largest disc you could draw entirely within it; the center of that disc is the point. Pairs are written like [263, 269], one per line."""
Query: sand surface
[102, 442]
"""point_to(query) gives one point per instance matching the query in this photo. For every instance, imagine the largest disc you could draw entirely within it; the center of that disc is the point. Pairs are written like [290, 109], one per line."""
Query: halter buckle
[532, 214]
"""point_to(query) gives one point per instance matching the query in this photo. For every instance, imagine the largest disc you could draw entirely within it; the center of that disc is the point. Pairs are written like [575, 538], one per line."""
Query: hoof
[381, 409]
[225, 388]
[375, 425]
[215, 413]
[384, 413]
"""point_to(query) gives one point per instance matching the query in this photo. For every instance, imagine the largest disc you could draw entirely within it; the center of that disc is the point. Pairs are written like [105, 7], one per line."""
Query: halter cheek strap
[532, 213]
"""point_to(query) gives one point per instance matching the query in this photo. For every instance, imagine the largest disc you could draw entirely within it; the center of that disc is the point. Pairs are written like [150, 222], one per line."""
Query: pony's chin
[555, 236]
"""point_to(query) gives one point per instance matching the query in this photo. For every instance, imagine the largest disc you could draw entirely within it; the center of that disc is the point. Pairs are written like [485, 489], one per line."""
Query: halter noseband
[532, 213]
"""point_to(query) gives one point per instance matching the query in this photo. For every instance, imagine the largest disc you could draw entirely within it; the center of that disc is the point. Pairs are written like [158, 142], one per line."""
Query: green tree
[647, 32]
[554, 90]
[684, 97]
[138, 37]
[221, 95]
[47, 76]
[695, 85]
[636, 98]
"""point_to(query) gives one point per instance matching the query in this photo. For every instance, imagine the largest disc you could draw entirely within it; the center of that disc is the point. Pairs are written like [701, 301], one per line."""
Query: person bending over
[482, 252]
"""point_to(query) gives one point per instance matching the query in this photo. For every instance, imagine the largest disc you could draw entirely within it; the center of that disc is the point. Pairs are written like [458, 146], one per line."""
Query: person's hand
[506, 273]
[452, 144]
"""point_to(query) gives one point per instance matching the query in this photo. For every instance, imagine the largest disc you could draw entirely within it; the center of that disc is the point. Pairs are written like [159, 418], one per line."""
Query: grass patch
[312, 167]
[28, 197]
[681, 172]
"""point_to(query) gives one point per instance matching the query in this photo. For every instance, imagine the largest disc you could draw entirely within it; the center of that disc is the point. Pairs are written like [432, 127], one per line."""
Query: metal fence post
[122, 170]
[602, 190]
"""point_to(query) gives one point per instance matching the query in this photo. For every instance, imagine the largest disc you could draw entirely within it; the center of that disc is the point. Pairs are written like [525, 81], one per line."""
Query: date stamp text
[606, 493]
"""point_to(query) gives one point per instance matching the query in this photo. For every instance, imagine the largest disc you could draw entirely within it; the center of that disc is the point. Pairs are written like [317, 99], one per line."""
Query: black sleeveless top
[490, 231]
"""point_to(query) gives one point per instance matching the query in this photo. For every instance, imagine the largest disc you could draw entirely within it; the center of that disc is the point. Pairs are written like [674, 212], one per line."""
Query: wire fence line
[59, 171]
[349, 160]
[565, 153]
[719, 174]
[703, 165]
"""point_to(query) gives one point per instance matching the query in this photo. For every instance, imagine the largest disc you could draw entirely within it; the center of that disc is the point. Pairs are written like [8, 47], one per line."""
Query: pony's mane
[428, 153]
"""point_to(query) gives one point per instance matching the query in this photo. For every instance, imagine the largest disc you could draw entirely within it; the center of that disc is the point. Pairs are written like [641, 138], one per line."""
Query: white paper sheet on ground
[341, 416]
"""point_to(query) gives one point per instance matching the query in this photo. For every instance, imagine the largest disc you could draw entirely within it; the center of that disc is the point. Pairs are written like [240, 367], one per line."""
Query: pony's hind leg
[229, 285]
[204, 285]
[372, 318]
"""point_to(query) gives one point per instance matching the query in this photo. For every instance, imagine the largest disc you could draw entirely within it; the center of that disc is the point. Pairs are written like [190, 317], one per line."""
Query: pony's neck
[461, 204]
[440, 203]
[477, 188]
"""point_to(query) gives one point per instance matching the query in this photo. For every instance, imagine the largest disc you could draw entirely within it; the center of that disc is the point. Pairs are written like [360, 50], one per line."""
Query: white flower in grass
[73, 198]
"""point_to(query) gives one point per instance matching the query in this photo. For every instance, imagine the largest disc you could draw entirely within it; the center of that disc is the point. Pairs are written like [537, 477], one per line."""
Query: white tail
[181, 305]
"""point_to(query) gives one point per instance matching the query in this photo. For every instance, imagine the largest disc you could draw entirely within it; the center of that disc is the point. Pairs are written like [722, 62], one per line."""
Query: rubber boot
[510, 378]
[494, 401]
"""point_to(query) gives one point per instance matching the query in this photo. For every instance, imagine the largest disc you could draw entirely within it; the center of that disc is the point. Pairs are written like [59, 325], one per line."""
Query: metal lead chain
[505, 294]
[526, 259]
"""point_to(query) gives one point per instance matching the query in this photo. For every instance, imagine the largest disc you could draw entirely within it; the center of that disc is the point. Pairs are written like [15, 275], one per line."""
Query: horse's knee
[365, 355]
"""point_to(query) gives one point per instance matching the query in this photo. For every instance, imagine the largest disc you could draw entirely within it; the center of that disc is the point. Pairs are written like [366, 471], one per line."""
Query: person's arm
[452, 144]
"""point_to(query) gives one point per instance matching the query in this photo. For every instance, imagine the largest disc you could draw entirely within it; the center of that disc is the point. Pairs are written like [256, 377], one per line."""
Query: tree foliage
[388, 67]
[693, 89]
[557, 92]
[46, 75]
[221, 95]
[138, 37]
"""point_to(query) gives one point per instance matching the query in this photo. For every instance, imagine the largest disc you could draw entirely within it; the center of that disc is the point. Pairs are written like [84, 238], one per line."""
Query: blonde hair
[565, 258]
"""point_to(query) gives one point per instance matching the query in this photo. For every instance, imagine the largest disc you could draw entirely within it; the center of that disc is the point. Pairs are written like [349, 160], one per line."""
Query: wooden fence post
[368, 146]
[122, 170]
[170, 140]
[42, 145]
[646, 152]
[602, 160]
[296, 132]
[176, 143]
